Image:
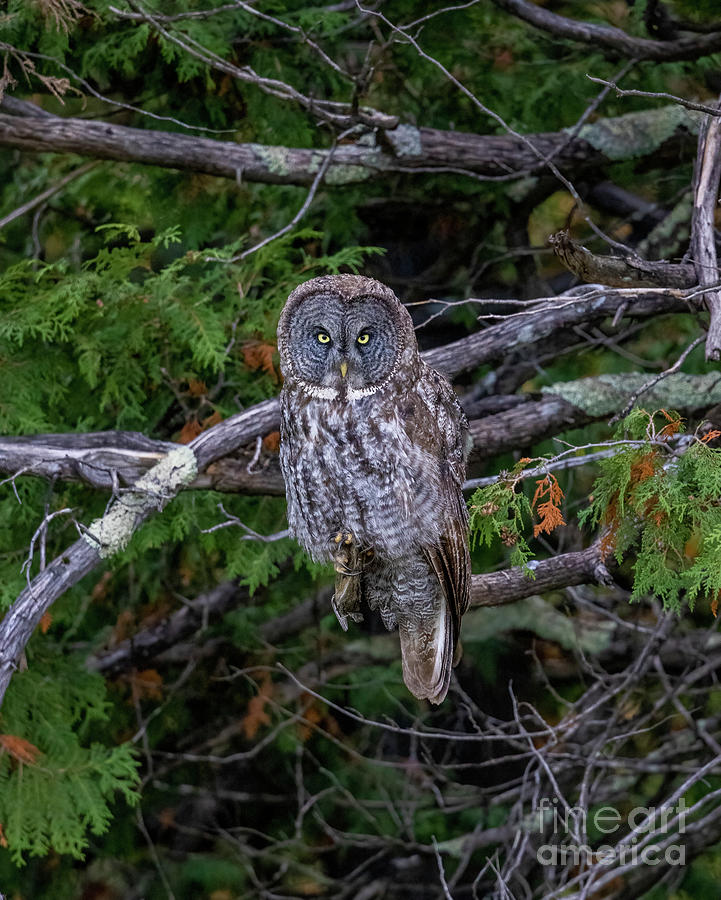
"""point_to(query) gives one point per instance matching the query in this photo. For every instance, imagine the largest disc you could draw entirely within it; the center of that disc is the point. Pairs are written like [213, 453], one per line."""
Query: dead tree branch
[335, 113]
[108, 535]
[703, 239]
[618, 271]
[107, 460]
[492, 589]
[550, 316]
[609, 39]
[404, 148]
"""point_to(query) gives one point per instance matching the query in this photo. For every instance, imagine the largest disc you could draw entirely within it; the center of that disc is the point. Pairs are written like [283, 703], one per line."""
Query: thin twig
[441, 871]
[658, 95]
[47, 193]
[294, 221]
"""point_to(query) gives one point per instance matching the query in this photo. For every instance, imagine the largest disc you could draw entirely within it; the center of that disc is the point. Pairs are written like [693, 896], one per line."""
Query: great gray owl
[373, 456]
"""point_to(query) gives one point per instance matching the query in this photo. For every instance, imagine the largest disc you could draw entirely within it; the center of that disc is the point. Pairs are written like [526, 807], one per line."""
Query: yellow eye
[363, 338]
[323, 337]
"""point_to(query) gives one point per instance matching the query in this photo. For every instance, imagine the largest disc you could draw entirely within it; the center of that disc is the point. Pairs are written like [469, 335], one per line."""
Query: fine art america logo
[652, 835]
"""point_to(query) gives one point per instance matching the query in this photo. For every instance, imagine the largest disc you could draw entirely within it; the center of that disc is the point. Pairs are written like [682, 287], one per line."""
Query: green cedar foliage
[138, 314]
[661, 501]
[115, 344]
[498, 511]
[56, 782]
[656, 498]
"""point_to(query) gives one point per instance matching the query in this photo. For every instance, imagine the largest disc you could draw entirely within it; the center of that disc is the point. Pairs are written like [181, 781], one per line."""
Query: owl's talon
[343, 569]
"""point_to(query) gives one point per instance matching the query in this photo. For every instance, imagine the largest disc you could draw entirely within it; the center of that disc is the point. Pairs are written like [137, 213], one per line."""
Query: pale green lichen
[640, 133]
[277, 159]
[110, 534]
[347, 174]
[367, 139]
[671, 233]
[316, 161]
[605, 395]
[405, 140]
[538, 616]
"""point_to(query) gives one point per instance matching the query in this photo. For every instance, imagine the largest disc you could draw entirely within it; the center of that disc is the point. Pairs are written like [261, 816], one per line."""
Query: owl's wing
[450, 560]
[450, 557]
[428, 652]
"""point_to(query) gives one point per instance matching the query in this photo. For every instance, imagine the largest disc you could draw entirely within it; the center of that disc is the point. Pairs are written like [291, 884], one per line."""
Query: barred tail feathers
[427, 648]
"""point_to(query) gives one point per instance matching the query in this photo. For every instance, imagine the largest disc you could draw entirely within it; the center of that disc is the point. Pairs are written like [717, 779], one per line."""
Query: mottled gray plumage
[373, 456]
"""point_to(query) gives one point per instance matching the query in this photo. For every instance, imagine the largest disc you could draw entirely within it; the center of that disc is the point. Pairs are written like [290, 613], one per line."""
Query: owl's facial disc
[339, 344]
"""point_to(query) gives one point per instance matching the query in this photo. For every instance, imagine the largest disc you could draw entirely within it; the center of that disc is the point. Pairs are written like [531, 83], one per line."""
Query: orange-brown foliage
[549, 511]
[256, 714]
[20, 749]
[147, 685]
[672, 427]
[259, 355]
[189, 431]
[644, 467]
[271, 442]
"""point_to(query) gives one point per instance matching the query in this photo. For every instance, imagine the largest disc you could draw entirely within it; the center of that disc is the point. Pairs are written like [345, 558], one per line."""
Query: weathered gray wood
[403, 149]
[105, 536]
[545, 320]
[610, 39]
[620, 271]
[707, 173]
[132, 508]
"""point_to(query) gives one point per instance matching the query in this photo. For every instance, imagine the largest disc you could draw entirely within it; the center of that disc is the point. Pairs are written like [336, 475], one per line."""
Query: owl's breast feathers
[389, 467]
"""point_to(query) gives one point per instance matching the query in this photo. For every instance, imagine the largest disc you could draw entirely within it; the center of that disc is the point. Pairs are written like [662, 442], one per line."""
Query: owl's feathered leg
[349, 561]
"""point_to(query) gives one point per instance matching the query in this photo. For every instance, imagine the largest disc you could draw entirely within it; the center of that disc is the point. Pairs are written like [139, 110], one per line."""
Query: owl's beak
[343, 369]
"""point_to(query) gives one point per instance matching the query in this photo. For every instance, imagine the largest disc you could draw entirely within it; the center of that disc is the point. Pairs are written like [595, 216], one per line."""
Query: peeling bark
[620, 271]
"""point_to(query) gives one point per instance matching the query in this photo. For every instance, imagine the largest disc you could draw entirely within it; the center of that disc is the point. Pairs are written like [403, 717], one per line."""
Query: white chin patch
[319, 392]
[354, 394]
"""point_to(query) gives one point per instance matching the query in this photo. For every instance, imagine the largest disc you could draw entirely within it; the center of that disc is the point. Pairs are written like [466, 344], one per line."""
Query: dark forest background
[183, 717]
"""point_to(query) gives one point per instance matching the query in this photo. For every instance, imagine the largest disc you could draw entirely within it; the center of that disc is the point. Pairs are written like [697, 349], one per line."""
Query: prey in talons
[349, 560]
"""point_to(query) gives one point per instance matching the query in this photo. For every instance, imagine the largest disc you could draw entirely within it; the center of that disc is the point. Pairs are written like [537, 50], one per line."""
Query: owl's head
[344, 334]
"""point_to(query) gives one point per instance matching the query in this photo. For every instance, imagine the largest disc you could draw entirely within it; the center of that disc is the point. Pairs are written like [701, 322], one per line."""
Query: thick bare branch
[703, 239]
[551, 316]
[110, 534]
[611, 39]
[405, 148]
[180, 467]
[618, 271]
[565, 570]
[110, 459]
